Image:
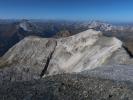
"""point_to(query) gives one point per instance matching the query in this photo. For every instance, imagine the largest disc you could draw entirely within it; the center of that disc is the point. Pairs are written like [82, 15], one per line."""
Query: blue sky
[107, 10]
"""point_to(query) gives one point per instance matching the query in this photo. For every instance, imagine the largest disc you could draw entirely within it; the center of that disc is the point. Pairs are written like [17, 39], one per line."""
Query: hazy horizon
[105, 10]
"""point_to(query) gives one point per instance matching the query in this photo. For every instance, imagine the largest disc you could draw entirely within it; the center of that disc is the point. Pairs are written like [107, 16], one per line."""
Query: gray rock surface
[113, 72]
[67, 87]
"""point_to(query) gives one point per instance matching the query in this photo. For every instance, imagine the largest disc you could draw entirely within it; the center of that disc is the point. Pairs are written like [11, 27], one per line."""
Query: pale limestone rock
[35, 57]
[86, 50]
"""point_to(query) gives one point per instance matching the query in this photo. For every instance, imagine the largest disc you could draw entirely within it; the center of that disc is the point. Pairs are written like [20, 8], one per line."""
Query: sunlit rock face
[34, 57]
[86, 50]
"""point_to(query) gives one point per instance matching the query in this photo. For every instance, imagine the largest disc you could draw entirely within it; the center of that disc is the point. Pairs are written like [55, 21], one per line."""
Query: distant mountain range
[12, 31]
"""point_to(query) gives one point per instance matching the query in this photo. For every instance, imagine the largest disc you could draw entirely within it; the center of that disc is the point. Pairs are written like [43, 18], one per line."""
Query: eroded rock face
[35, 57]
[86, 50]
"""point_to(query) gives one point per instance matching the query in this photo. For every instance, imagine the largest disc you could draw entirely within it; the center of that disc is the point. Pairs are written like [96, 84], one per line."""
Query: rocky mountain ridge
[84, 66]
[34, 57]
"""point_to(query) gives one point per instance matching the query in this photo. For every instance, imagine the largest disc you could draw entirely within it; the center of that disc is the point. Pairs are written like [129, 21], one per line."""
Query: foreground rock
[67, 87]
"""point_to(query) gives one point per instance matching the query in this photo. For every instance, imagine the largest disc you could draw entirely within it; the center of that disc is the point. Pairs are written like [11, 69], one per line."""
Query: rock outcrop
[86, 50]
[27, 59]
[35, 57]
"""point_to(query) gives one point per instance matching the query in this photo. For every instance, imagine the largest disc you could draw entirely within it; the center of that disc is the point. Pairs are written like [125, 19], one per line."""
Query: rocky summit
[84, 66]
[36, 57]
[86, 50]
